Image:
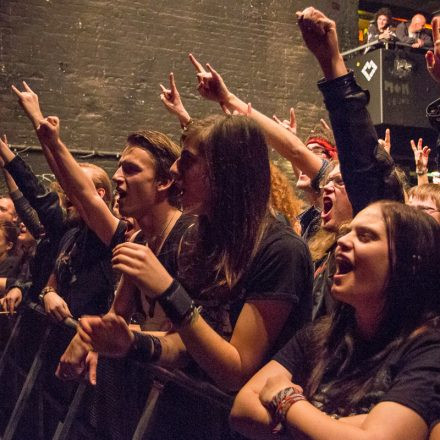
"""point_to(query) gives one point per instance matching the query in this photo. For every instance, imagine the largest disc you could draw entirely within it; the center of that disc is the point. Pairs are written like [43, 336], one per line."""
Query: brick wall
[97, 64]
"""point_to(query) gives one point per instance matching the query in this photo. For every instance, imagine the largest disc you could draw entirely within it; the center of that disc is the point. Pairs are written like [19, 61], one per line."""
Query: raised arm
[421, 157]
[26, 213]
[366, 167]
[78, 186]
[173, 103]
[28, 100]
[46, 203]
[212, 87]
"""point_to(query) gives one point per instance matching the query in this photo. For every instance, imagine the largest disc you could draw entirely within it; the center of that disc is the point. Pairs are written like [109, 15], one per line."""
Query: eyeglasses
[335, 180]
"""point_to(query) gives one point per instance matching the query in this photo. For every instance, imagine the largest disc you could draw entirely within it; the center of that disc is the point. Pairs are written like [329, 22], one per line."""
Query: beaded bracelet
[280, 404]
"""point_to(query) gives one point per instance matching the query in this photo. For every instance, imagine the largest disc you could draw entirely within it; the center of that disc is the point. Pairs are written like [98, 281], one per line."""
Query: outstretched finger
[214, 72]
[276, 119]
[16, 91]
[324, 124]
[292, 119]
[198, 66]
[173, 83]
[426, 150]
[388, 136]
[164, 89]
[413, 146]
[249, 109]
[27, 88]
[420, 144]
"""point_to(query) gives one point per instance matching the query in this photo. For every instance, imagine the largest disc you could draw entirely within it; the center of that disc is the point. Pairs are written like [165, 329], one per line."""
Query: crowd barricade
[130, 401]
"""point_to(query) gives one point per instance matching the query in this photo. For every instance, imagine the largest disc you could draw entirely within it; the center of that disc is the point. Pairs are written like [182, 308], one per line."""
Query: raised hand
[139, 263]
[28, 100]
[386, 143]
[109, 335]
[211, 85]
[421, 156]
[11, 300]
[433, 58]
[288, 124]
[172, 102]
[48, 130]
[319, 35]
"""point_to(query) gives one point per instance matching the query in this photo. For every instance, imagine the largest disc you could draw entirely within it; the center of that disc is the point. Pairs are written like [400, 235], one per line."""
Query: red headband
[329, 148]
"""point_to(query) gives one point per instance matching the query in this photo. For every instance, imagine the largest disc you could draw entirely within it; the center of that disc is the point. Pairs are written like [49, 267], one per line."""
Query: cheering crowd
[323, 319]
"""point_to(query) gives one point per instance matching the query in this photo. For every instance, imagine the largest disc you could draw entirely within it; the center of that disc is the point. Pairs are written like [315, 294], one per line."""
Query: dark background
[97, 64]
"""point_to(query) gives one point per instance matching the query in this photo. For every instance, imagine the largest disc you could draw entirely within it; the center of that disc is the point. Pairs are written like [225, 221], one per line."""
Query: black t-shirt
[409, 375]
[168, 256]
[83, 270]
[9, 266]
[281, 270]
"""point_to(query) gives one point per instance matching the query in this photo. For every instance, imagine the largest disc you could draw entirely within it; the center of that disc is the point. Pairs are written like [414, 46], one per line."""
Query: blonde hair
[283, 198]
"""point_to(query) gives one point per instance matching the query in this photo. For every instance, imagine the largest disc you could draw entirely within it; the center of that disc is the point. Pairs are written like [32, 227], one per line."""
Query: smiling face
[336, 206]
[191, 176]
[362, 262]
[136, 182]
[382, 22]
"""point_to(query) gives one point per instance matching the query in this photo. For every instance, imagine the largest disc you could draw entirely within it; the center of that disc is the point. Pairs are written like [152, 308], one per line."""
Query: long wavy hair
[283, 198]
[411, 302]
[228, 236]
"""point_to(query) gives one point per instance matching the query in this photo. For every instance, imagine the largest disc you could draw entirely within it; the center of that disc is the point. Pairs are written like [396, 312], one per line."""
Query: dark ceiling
[405, 7]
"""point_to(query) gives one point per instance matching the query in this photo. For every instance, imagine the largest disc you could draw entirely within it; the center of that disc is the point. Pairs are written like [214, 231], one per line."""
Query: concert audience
[227, 285]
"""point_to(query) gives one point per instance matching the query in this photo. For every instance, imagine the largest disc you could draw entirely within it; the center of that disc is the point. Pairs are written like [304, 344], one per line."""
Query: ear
[164, 185]
[101, 192]
[9, 246]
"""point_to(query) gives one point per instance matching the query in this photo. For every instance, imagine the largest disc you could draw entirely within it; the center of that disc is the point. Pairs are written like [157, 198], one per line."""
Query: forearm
[76, 185]
[217, 357]
[283, 141]
[27, 214]
[124, 303]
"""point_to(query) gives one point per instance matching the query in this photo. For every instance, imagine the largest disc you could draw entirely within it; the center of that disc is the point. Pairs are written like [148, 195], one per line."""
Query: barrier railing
[378, 44]
[71, 418]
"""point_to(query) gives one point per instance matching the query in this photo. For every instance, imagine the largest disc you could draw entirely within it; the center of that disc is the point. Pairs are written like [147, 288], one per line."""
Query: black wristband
[176, 303]
[145, 348]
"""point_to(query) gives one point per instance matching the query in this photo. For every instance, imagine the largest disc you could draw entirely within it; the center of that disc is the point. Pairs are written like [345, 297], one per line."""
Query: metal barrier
[43, 407]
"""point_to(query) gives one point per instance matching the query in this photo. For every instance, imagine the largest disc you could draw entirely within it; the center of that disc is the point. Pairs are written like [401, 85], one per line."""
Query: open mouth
[343, 265]
[327, 206]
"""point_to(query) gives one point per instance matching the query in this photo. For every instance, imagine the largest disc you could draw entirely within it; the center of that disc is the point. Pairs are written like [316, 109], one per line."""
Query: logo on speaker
[369, 70]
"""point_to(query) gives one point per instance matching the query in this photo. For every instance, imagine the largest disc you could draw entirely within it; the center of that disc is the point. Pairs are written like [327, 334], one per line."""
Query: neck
[161, 216]
[368, 321]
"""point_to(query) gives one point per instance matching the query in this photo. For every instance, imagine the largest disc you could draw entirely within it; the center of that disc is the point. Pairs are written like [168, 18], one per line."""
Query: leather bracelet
[45, 291]
[177, 304]
[145, 348]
